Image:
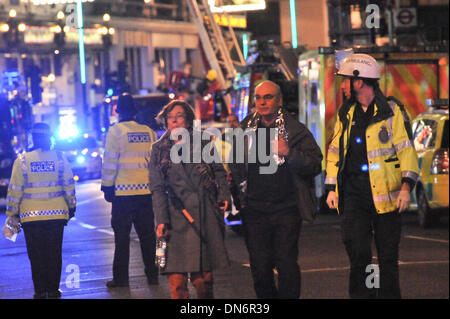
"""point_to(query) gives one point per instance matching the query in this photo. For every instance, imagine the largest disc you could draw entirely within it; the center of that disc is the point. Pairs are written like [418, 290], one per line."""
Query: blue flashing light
[110, 92]
[81, 159]
[365, 167]
[68, 131]
[293, 23]
[358, 140]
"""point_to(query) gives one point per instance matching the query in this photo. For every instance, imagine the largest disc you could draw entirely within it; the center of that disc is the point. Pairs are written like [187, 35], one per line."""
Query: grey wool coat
[186, 251]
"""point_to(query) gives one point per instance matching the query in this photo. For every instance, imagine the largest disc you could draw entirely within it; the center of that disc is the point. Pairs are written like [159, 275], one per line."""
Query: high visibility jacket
[390, 154]
[127, 157]
[41, 187]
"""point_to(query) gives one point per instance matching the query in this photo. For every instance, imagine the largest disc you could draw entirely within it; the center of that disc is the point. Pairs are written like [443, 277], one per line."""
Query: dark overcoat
[186, 251]
[304, 162]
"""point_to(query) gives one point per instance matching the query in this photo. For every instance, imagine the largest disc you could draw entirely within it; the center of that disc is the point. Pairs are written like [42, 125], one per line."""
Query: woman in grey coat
[201, 189]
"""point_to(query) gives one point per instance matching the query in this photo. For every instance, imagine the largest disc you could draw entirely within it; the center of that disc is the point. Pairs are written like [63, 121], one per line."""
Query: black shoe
[40, 295]
[114, 284]
[153, 280]
[54, 294]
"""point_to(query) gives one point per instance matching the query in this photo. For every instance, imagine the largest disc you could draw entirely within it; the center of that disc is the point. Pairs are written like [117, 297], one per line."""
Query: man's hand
[283, 148]
[162, 231]
[332, 200]
[403, 198]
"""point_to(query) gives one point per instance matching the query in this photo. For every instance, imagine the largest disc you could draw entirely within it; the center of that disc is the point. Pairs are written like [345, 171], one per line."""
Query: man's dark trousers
[359, 220]
[127, 211]
[44, 245]
[272, 242]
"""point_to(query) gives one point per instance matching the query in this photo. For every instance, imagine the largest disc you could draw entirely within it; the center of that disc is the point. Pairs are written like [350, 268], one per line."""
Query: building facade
[132, 45]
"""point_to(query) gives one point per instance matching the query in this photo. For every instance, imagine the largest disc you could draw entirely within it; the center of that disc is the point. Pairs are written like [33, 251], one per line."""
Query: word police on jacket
[44, 166]
[138, 137]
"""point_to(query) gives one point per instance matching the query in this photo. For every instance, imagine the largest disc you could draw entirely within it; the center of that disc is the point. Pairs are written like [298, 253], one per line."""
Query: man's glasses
[266, 97]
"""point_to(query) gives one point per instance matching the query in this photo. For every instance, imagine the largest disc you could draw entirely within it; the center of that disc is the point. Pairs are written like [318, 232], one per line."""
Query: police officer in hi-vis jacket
[371, 168]
[125, 183]
[41, 195]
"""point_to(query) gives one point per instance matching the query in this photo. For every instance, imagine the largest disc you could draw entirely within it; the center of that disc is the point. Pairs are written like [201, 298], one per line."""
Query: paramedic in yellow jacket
[125, 183]
[41, 195]
[371, 168]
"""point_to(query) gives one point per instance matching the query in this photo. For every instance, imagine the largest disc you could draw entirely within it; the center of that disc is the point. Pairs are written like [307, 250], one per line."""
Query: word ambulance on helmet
[360, 65]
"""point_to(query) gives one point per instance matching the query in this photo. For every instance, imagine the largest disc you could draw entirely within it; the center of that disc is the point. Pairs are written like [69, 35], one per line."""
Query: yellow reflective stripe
[112, 155]
[391, 196]
[132, 165]
[110, 166]
[134, 154]
[13, 209]
[16, 188]
[13, 199]
[402, 145]
[46, 184]
[380, 152]
[410, 174]
[43, 195]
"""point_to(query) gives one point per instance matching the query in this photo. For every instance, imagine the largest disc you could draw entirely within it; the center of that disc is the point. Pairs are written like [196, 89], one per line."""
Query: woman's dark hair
[188, 110]
[371, 82]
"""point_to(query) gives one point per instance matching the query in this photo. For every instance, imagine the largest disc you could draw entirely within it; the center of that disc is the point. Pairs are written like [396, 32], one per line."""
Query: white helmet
[360, 65]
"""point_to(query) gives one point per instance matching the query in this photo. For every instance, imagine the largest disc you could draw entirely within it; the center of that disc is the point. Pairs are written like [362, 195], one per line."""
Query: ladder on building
[214, 45]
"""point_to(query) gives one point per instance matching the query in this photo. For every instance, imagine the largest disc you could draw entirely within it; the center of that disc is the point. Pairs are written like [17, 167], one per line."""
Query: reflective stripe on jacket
[390, 154]
[41, 187]
[126, 158]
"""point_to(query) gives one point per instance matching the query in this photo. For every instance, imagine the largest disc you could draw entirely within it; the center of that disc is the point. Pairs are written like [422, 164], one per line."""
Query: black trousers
[44, 245]
[272, 242]
[360, 223]
[137, 211]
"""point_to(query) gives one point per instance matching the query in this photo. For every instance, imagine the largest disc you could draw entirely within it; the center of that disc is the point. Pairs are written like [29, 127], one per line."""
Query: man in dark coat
[275, 204]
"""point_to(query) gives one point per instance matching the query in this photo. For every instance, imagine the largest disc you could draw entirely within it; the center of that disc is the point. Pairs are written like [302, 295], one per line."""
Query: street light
[59, 30]
[4, 27]
[106, 17]
[60, 15]
[12, 13]
[13, 30]
[22, 27]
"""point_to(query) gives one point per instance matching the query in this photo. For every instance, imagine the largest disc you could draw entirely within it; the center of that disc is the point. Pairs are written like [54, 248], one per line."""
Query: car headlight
[94, 154]
[81, 159]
